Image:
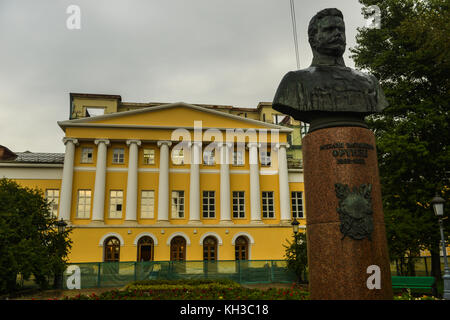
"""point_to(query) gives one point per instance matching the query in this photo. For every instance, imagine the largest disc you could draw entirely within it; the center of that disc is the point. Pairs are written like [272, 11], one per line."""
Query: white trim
[86, 121]
[239, 171]
[111, 234]
[144, 234]
[213, 234]
[245, 234]
[268, 172]
[84, 168]
[175, 234]
[155, 170]
[209, 171]
[180, 170]
[31, 165]
[109, 169]
[46, 173]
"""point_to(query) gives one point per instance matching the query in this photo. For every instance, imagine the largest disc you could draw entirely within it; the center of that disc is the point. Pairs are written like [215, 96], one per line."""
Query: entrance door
[145, 249]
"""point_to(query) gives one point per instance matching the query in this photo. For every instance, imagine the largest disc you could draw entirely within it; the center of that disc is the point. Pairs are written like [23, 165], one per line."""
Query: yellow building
[168, 181]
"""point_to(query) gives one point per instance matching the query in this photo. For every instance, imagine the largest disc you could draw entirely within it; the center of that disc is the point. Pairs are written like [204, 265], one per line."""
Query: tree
[296, 255]
[409, 54]
[29, 242]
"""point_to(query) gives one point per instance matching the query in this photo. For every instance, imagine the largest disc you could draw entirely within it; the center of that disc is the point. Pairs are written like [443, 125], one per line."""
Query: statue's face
[330, 36]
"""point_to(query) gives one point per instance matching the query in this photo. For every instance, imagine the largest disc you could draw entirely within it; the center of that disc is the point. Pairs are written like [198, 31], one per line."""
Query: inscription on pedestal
[349, 152]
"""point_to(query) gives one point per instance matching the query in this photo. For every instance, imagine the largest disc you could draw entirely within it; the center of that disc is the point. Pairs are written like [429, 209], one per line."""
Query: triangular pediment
[173, 115]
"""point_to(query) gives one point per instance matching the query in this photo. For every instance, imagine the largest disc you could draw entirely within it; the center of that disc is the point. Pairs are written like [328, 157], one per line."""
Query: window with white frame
[149, 156]
[297, 204]
[238, 204]
[265, 159]
[267, 204]
[208, 157]
[177, 156]
[147, 204]
[87, 155]
[238, 157]
[52, 196]
[209, 204]
[115, 204]
[84, 204]
[177, 204]
[118, 155]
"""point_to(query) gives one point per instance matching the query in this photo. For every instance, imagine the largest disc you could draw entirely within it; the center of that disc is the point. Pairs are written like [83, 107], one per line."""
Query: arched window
[178, 249]
[241, 248]
[210, 249]
[145, 249]
[112, 250]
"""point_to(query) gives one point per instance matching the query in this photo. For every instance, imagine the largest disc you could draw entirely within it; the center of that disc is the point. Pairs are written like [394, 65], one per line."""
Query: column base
[226, 222]
[256, 222]
[163, 222]
[285, 222]
[97, 223]
[195, 222]
[131, 223]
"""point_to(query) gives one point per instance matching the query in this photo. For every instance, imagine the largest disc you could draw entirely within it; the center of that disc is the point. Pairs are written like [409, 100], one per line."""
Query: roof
[37, 157]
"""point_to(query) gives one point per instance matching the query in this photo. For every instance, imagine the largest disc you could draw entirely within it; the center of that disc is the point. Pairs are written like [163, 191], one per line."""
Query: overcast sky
[228, 52]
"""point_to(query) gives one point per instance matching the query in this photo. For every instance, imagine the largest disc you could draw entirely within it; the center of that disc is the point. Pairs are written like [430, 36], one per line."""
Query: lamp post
[295, 225]
[438, 207]
[61, 225]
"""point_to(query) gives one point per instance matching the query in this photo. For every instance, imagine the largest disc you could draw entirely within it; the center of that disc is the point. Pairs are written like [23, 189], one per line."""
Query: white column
[225, 198]
[194, 188]
[132, 180]
[255, 193]
[163, 189]
[285, 208]
[67, 179]
[98, 209]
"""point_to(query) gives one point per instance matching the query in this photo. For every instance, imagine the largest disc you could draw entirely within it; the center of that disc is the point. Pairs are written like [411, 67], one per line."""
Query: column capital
[282, 145]
[197, 143]
[105, 141]
[160, 143]
[137, 142]
[229, 145]
[73, 140]
[252, 145]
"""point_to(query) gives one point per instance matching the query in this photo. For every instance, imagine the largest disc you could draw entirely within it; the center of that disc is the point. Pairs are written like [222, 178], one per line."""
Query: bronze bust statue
[329, 94]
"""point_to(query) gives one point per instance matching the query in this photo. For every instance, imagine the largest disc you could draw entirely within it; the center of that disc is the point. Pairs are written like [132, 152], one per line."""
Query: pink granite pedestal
[340, 265]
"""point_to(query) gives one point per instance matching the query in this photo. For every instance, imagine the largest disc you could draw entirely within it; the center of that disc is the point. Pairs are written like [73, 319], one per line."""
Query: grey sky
[230, 52]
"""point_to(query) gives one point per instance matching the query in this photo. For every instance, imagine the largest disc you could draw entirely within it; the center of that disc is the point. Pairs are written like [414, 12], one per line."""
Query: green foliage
[297, 255]
[410, 56]
[202, 284]
[30, 245]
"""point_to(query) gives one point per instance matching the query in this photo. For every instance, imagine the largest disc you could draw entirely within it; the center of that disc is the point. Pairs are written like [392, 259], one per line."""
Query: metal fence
[117, 274]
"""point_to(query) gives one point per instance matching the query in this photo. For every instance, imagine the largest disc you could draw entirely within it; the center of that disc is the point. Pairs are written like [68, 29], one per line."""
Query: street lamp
[438, 207]
[295, 225]
[61, 225]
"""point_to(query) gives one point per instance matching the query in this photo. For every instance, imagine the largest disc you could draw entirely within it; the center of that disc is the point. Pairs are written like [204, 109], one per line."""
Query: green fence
[116, 274]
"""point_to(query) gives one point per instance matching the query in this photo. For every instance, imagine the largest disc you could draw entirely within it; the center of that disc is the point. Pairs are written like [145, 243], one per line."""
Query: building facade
[169, 181]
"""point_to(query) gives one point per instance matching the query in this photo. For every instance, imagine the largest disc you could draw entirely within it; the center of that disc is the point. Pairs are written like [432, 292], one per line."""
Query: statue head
[326, 33]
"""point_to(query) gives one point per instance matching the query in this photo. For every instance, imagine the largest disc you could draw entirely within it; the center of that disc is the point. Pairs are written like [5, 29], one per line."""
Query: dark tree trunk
[435, 266]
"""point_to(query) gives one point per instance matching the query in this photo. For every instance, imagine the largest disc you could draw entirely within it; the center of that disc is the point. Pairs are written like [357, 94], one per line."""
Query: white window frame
[238, 157]
[178, 204]
[178, 157]
[266, 159]
[118, 156]
[52, 196]
[209, 157]
[149, 156]
[267, 208]
[87, 155]
[115, 204]
[297, 203]
[238, 203]
[210, 198]
[147, 204]
[84, 201]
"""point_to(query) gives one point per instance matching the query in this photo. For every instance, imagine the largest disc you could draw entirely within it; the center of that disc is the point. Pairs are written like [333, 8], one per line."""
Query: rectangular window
[115, 204]
[149, 156]
[297, 204]
[265, 159]
[52, 196]
[118, 155]
[209, 206]
[178, 156]
[147, 204]
[238, 204]
[87, 155]
[267, 204]
[84, 204]
[238, 158]
[208, 158]
[177, 204]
